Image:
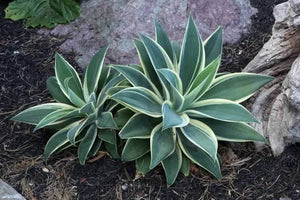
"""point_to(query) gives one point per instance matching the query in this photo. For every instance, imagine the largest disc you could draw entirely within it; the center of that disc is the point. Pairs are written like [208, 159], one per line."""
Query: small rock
[45, 170]
[8, 193]
[124, 187]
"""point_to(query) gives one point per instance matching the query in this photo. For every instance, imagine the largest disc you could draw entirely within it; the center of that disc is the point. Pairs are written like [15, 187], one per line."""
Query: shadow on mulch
[26, 60]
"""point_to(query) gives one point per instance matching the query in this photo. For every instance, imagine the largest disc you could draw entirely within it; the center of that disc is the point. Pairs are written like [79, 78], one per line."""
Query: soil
[26, 60]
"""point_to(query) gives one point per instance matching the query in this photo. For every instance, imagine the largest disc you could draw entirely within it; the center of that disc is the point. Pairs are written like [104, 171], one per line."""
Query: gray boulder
[8, 193]
[117, 22]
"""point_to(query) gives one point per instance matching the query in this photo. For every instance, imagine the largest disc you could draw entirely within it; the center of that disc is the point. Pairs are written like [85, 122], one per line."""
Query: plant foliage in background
[46, 13]
[82, 114]
[182, 106]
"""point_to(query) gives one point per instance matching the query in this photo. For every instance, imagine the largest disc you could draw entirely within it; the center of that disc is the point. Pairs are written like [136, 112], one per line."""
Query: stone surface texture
[278, 104]
[117, 22]
[8, 193]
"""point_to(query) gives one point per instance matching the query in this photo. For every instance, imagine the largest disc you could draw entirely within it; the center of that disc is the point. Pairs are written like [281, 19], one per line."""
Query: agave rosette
[182, 106]
[82, 114]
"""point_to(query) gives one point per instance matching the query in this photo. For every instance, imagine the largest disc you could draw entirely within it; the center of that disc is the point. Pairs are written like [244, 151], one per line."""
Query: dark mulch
[26, 60]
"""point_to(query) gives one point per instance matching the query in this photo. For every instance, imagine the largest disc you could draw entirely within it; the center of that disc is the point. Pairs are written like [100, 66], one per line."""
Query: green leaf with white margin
[112, 149]
[176, 48]
[93, 73]
[138, 126]
[171, 119]
[173, 85]
[107, 135]
[143, 163]
[35, 114]
[185, 165]
[122, 116]
[52, 117]
[74, 98]
[162, 38]
[190, 54]
[135, 148]
[110, 84]
[136, 78]
[158, 56]
[55, 91]
[140, 99]
[198, 156]
[56, 141]
[213, 46]
[78, 127]
[64, 70]
[162, 144]
[146, 64]
[87, 109]
[106, 120]
[234, 131]
[106, 70]
[221, 109]
[95, 148]
[202, 136]
[236, 87]
[172, 165]
[87, 143]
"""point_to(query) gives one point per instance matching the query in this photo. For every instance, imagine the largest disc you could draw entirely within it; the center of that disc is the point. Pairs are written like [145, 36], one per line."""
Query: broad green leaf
[95, 148]
[74, 98]
[138, 126]
[198, 156]
[162, 144]
[112, 149]
[191, 54]
[176, 48]
[136, 78]
[146, 64]
[236, 86]
[140, 99]
[106, 120]
[52, 117]
[185, 165]
[221, 109]
[35, 114]
[172, 165]
[202, 136]
[103, 78]
[78, 127]
[122, 116]
[93, 72]
[234, 131]
[87, 143]
[87, 109]
[111, 83]
[63, 71]
[213, 46]
[107, 135]
[171, 119]
[162, 38]
[135, 148]
[172, 83]
[47, 13]
[55, 142]
[143, 163]
[159, 58]
[55, 91]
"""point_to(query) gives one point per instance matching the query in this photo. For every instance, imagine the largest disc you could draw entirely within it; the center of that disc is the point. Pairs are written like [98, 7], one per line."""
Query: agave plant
[82, 114]
[182, 106]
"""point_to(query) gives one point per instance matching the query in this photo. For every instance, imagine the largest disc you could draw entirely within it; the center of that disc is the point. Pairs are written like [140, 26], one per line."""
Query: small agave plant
[82, 114]
[182, 105]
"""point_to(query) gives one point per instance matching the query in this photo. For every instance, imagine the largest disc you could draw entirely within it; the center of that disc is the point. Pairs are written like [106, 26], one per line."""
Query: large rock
[8, 193]
[117, 22]
[278, 104]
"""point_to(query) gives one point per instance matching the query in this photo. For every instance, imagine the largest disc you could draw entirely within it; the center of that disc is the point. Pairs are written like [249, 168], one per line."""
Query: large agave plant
[82, 114]
[182, 106]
